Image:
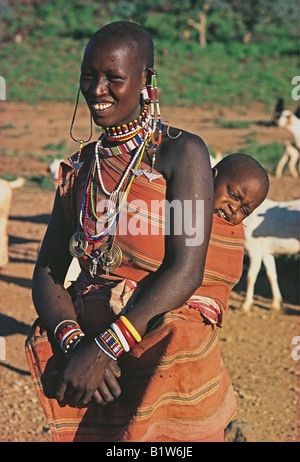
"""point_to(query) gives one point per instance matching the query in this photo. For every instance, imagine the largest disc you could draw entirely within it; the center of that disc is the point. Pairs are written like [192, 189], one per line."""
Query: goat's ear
[279, 105]
[214, 172]
[297, 113]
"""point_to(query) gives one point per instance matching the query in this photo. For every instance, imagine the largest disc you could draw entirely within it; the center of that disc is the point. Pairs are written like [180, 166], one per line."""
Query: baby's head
[240, 185]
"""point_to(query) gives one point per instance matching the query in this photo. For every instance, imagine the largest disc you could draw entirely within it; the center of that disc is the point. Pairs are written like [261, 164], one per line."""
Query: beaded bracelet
[120, 337]
[131, 328]
[70, 340]
[69, 322]
[68, 336]
[104, 348]
[108, 343]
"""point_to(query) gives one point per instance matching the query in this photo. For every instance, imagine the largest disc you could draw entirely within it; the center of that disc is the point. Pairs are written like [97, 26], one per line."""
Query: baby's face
[236, 195]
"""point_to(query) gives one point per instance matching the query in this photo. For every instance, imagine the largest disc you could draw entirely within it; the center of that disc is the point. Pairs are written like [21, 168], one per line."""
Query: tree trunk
[201, 25]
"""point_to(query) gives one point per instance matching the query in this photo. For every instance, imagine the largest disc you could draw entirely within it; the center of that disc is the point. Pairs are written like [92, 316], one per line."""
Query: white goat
[216, 159]
[291, 154]
[6, 192]
[272, 229]
[53, 169]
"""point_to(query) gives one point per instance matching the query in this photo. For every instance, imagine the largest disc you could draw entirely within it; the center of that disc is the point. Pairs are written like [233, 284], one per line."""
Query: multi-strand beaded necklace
[136, 135]
[114, 207]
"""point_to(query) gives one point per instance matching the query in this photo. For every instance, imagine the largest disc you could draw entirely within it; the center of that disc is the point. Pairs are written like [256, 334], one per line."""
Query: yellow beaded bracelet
[131, 328]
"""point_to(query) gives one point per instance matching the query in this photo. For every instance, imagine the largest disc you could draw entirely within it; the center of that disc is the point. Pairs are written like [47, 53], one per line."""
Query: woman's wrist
[119, 338]
[68, 334]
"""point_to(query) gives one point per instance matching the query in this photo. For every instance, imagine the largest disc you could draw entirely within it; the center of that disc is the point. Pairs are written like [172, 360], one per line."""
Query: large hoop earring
[81, 141]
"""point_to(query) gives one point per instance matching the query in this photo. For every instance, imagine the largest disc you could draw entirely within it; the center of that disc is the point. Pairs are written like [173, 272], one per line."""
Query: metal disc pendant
[110, 258]
[78, 244]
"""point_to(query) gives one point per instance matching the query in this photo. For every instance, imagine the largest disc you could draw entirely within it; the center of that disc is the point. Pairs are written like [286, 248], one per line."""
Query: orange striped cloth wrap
[174, 383]
[142, 215]
[223, 269]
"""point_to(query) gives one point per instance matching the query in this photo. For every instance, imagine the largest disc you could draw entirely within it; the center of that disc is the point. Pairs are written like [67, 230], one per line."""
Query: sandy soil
[256, 347]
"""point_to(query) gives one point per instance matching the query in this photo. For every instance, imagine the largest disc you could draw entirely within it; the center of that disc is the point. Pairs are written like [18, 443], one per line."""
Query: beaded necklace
[127, 146]
[114, 208]
[121, 132]
[134, 136]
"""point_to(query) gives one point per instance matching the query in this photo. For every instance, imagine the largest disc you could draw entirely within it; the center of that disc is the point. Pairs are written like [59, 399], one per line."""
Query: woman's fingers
[61, 388]
[81, 381]
[113, 372]
[98, 398]
[115, 368]
[109, 389]
[105, 393]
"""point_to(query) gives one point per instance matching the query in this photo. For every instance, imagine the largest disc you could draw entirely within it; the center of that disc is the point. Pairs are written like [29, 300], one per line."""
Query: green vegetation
[249, 51]
[40, 181]
[267, 154]
[33, 181]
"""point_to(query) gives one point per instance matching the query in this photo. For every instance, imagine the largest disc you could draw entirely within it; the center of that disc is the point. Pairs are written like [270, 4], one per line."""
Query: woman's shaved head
[131, 34]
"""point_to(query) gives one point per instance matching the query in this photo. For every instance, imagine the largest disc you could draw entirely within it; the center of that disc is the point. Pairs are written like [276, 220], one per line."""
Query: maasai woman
[121, 356]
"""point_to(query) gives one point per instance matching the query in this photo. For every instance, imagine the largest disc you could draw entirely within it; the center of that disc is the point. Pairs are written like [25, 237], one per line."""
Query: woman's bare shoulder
[180, 148]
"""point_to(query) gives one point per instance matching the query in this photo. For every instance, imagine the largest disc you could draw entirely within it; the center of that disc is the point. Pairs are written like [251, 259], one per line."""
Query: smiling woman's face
[237, 194]
[111, 81]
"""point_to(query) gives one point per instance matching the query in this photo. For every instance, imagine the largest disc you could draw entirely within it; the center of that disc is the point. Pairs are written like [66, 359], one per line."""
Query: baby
[240, 186]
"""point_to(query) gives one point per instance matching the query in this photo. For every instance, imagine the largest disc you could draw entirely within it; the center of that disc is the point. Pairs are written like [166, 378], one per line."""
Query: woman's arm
[52, 302]
[189, 180]
[87, 372]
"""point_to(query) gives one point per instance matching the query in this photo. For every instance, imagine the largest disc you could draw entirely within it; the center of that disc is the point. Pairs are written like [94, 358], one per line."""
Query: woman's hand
[88, 373]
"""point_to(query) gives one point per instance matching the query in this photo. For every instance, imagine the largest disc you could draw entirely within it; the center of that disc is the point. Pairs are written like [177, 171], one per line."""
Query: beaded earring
[153, 93]
[145, 95]
[80, 141]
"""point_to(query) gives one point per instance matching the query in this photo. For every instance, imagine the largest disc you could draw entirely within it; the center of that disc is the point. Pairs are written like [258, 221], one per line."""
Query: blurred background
[217, 51]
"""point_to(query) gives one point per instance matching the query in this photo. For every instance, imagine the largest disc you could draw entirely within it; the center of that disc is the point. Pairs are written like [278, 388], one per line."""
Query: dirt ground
[257, 347]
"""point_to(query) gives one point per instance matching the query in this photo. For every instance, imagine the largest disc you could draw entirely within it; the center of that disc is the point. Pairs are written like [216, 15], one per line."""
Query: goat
[54, 169]
[6, 192]
[272, 229]
[277, 111]
[216, 159]
[291, 122]
[291, 154]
